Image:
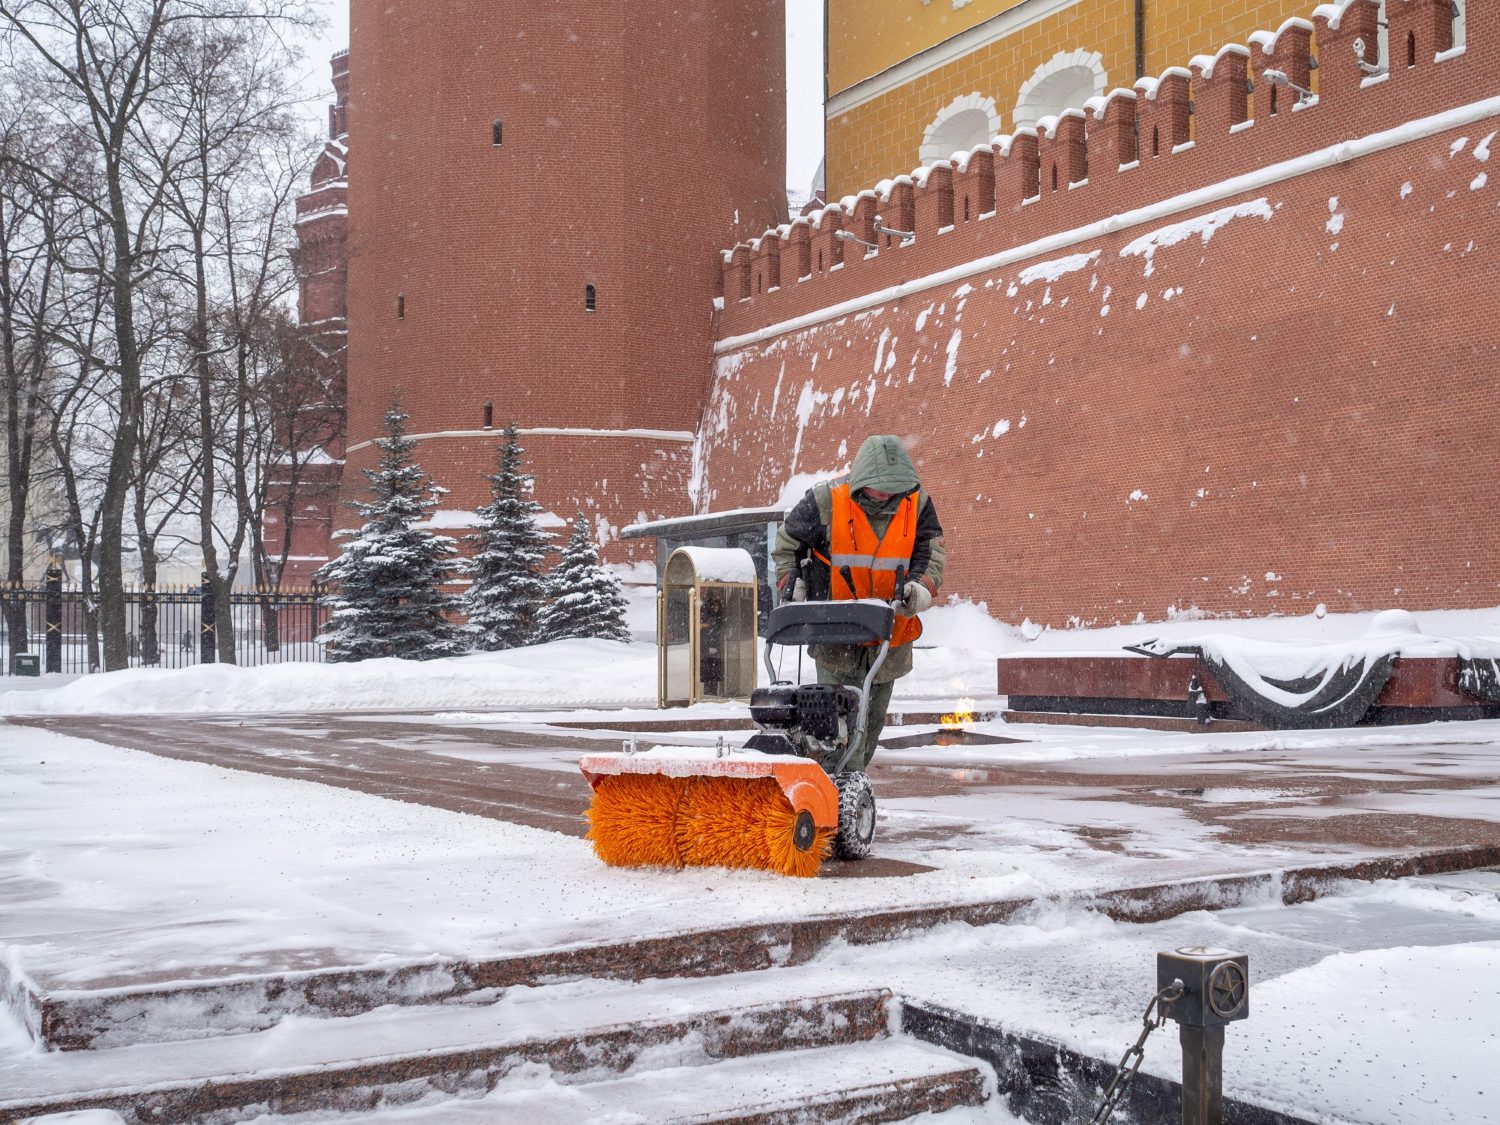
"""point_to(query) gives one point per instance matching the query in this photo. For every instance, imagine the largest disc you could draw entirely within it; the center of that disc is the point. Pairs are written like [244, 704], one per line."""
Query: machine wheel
[856, 816]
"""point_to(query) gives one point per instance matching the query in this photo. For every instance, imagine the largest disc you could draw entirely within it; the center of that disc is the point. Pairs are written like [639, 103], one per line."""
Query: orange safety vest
[872, 561]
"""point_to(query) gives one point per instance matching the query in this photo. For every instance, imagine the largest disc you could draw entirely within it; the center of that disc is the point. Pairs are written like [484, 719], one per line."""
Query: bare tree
[27, 279]
[104, 68]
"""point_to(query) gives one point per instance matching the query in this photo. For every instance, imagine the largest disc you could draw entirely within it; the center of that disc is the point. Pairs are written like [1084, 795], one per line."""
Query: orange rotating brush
[759, 811]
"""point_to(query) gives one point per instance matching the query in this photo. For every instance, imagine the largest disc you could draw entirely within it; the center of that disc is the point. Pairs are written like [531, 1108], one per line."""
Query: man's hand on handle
[916, 597]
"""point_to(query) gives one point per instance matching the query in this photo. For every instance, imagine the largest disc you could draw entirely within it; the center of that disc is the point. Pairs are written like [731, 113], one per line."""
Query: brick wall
[1157, 388]
[635, 139]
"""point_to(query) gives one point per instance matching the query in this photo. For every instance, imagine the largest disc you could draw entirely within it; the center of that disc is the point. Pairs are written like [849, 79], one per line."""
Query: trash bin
[26, 664]
[706, 626]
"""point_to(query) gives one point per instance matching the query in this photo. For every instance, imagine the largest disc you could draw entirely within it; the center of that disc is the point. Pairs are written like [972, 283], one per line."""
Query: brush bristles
[649, 820]
[631, 820]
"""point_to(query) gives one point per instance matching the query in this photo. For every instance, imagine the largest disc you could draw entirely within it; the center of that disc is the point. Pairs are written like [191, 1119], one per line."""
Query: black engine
[803, 719]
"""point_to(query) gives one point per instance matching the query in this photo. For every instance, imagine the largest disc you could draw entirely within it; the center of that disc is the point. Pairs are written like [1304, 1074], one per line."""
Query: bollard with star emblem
[1215, 992]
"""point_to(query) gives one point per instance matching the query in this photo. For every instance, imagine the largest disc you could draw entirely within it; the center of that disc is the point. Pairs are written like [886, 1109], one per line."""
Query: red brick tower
[533, 232]
[302, 499]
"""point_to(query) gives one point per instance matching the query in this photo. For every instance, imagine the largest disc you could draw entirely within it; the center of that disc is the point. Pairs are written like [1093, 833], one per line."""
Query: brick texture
[1289, 404]
[636, 138]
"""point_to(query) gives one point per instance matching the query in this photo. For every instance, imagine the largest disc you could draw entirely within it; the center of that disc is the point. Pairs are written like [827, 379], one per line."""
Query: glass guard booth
[705, 629]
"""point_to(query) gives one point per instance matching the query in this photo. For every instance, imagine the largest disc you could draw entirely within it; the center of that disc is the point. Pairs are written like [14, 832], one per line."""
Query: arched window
[1066, 81]
[959, 126]
[497, 133]
[489, 415]
[590, 298]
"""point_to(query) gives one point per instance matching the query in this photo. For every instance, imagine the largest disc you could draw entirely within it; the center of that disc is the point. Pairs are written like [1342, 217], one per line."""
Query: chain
[1130, 1061]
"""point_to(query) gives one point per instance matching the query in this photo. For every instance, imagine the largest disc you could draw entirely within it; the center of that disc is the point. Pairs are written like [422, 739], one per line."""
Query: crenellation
[1419, 30]
[766, 265]
[974, 185]
[1112, 131]
[1063, 152]
[1288, 51]
[934, 204]
[899, 211]
[799, 249]
[862, 217]
[1220, 91]
[828, 248]
[1348, 46]
[1018, 172]
[737, 274]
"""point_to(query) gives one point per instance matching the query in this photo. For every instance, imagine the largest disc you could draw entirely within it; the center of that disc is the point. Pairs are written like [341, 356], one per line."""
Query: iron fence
[166, 626]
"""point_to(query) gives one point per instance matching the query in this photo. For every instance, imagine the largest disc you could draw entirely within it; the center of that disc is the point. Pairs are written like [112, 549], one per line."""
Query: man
[878, 523]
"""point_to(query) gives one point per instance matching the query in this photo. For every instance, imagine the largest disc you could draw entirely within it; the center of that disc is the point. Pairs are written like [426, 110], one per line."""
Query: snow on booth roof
[720, 564]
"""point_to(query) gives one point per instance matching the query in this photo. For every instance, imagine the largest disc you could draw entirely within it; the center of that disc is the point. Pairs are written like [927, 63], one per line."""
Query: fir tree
[587, 599]
[509, 589]
[387, 597]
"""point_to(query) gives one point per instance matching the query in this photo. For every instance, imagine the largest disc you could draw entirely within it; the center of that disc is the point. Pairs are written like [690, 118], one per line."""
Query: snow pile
[955, 657]
[563, 673]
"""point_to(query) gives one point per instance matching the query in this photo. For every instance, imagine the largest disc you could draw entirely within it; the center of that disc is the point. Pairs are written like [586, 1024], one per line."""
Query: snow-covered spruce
[387, 594]
[585, 599]
[509, 588]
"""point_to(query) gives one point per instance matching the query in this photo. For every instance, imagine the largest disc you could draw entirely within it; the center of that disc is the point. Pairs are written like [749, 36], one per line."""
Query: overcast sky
[804, 42]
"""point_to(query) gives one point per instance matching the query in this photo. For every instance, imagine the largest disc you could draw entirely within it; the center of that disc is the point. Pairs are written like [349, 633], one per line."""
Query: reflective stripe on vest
[871, 560]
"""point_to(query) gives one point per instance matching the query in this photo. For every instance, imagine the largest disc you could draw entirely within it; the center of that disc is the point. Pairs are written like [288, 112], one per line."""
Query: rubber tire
[856, 811]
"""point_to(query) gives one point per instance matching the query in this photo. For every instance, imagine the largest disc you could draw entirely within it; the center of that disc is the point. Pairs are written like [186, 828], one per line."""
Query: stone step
[81, 1020]
[355, 1063]
[886, 1080]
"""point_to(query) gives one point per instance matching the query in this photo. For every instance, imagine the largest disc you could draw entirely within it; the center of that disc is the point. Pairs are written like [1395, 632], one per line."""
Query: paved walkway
[1362, 792]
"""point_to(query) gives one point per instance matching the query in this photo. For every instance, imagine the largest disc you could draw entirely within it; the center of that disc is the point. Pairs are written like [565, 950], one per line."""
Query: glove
[799, 591]
[917, 598]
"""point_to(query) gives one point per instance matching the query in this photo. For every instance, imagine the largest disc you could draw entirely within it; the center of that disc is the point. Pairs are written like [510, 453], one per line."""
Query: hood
[883, 464]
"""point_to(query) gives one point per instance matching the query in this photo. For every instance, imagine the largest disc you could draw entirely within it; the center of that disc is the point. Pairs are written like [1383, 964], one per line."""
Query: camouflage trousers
[880, 701]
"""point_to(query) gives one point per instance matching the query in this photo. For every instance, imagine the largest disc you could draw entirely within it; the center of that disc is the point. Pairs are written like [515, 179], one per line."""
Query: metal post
[208, 638]
[1215, 991]
[1202, 1074]
[53, 608]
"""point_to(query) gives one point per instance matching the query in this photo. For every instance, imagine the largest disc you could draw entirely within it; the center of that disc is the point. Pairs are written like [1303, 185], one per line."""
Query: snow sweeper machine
[785, 801]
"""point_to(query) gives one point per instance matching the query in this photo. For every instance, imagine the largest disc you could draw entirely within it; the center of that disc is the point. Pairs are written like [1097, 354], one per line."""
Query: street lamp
[1278, 78]
[849, 236]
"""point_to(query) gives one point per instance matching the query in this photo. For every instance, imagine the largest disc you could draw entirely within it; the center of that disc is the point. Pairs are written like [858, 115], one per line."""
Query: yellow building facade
[912, 81]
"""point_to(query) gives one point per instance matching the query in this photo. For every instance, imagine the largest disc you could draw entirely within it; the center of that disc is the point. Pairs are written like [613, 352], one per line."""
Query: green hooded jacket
[883, 464]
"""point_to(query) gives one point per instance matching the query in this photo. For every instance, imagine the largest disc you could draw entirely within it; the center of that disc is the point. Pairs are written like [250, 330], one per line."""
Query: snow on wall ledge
[1248, 372]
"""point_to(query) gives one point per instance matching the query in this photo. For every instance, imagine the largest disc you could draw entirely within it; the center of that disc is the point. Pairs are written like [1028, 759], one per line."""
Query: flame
[961, 716]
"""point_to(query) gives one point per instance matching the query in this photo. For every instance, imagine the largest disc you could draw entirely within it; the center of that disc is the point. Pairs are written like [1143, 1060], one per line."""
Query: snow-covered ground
[126, 867]
[955, 658]
[1377, 1006]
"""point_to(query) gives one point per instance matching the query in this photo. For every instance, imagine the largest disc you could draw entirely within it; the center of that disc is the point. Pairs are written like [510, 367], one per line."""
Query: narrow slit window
[400, 306]
[1054, 177]
[1411, 49]
[966, 208]
[497, 133]
[489, 415]
[1155, 141]
[590, 298]
[1273, 101]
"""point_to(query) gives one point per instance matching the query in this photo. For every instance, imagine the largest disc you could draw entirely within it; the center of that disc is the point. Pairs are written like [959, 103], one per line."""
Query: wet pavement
[1362, 794]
